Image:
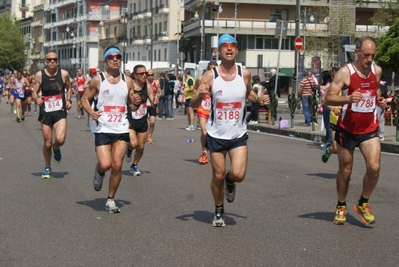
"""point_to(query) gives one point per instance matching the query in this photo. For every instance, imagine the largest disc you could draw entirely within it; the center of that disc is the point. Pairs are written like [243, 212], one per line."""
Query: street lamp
[124, 41]
[219, 10]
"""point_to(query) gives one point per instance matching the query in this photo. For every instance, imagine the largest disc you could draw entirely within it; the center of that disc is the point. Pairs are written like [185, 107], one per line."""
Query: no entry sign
[298, 43]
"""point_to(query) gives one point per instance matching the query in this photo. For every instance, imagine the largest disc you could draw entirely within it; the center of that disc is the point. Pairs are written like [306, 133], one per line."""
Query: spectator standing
[252, 118]
[305, 91]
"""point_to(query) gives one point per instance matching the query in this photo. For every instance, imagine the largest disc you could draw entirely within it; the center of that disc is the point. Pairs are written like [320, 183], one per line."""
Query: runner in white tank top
[229, 85]
[110, 125]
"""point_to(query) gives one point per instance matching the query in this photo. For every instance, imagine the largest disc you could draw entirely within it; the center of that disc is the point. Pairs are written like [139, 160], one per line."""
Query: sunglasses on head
[228, 45]
[112, 57]
[52, 59]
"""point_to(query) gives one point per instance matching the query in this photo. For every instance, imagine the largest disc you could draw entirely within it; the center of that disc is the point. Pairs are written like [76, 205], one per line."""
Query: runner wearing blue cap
[229, 86]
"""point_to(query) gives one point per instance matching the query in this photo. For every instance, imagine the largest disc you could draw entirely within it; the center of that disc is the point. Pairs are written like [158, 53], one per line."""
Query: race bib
[114, 115]
[81, 90]
[140, 112]
[206, 103]
[21, 92]
[53, 103]
[228, 112]
[366, 105]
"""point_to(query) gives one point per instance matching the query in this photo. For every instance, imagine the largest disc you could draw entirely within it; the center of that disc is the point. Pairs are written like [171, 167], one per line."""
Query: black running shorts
[219, 145]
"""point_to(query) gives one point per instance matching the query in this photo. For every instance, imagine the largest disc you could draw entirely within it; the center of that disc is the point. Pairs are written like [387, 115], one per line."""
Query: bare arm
[150, 94]
[340, 82]
[86, 84]
[68, 87]
[203, 86]
[134, 100]
[88, 95]
[36, 87]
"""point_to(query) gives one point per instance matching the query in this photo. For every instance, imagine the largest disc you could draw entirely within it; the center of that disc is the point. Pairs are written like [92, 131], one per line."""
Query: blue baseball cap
[226, 38]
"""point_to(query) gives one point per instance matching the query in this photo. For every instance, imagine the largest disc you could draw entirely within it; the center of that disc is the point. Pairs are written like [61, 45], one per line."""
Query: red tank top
[80, 81]
[154, 88]
[361, 117]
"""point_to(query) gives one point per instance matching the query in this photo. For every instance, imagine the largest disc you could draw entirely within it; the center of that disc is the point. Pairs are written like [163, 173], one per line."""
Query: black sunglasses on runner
[112, 57]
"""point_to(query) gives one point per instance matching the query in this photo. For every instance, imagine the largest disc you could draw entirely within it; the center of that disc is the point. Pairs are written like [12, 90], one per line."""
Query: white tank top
[112, 102]
[226, 120]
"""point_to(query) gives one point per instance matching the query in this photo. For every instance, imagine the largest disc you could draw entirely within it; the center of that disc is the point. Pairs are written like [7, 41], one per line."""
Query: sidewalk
[298, 131]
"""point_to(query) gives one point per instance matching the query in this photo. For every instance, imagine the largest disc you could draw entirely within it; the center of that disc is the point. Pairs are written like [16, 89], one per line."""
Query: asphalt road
[282, 215]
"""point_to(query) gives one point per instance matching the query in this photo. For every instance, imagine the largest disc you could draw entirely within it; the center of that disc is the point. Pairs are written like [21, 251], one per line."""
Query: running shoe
[57, 154]
[29, 108]
[135, 170]
[190, 128]
[364, 212]
[229, 194]
[340, 215]
[15, 111]
[149, 139]
[78, 116]
[128, 156]
[46, 173]
[203, 158]
[98, 180]
[18, 119]
[111, 207]
[22, 117]
[325, 153]
[218, 220]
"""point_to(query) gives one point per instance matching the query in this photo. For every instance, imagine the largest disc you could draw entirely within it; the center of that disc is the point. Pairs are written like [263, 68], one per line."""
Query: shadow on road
[98, 204]
[57, 175]
[324, 175]
[329, 216]
[207, 217]
[127, 172]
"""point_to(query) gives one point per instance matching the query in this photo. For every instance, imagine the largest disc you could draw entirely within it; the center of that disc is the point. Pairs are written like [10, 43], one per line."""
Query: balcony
[265, 27]
[23, 7]
[37, 24]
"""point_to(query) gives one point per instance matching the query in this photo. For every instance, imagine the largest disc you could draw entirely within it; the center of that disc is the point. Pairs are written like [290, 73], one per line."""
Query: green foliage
[387, 55]
[386, 14]
[12, 48]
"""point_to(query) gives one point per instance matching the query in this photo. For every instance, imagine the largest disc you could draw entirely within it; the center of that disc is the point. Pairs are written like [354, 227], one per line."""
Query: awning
[283, 72]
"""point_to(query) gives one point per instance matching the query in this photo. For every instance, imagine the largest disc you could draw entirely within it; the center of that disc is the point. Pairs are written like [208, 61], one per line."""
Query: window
[276, 14]
[164, 56]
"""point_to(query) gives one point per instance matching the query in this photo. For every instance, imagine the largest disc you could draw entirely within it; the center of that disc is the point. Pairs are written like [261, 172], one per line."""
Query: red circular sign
[298, 43]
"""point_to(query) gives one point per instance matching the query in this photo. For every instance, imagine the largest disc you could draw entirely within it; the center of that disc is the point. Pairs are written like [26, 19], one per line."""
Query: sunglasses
[150, 74]
[228, 45]
[142, 73]
[52, 59]
[112, 57]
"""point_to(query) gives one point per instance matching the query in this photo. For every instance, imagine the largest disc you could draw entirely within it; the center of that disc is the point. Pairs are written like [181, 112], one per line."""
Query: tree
[12, 48]
[386, 13]
[387, 55]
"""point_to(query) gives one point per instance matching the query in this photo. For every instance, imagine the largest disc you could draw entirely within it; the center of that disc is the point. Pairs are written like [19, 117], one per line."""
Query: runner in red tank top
[152, 111]
[80, 81]
[357, 125]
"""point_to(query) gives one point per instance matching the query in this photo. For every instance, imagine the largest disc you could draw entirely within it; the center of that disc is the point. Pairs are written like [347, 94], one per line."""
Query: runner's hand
[39, 101]
[202, 90]
[355, 97]
[264, 100]
[95, 115]
[382, 102]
